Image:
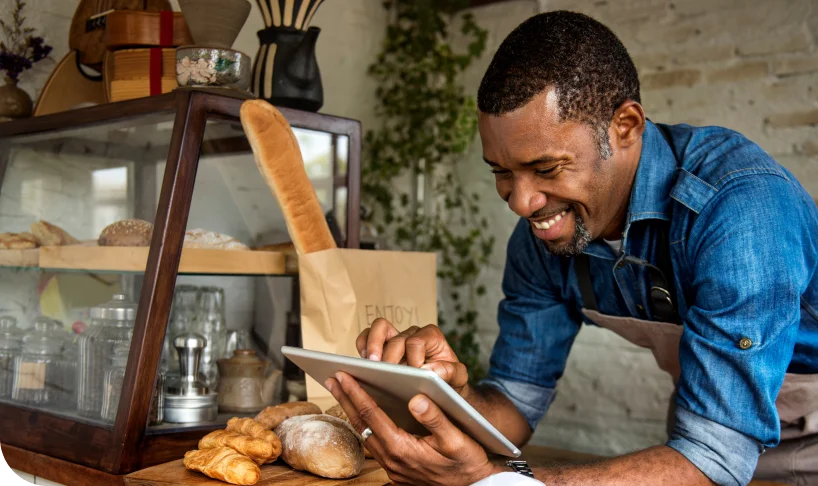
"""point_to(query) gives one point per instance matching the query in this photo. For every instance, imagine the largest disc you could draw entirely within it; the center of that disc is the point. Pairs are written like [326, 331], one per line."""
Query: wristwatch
[520, 467]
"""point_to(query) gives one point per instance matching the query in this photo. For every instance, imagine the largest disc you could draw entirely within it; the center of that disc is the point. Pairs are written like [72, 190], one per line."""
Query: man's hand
[419, 347]
[447, 457]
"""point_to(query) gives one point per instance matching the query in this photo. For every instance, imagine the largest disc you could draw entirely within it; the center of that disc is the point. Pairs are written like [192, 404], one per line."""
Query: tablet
[392, 386]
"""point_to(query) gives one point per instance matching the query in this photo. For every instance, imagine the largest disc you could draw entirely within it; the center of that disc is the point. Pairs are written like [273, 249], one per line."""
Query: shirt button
[639, 306]
[745, 343]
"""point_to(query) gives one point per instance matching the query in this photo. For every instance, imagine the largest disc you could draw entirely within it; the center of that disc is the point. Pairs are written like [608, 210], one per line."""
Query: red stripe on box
[155, 71]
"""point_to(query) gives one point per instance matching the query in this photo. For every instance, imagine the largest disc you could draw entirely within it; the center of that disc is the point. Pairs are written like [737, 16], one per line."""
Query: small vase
[14, 102]
[286, 72]
[215, 23]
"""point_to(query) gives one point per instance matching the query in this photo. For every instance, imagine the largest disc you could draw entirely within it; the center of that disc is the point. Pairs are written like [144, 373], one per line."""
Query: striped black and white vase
[285, 71]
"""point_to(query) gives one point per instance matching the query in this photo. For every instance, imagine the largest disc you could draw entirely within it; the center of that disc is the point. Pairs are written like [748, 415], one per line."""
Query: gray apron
[795, 460]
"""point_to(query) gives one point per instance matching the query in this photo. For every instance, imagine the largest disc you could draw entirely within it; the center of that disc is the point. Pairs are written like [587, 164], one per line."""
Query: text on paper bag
[401, 316]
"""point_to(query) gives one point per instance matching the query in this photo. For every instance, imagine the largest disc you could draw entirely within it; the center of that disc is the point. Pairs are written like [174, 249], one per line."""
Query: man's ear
[627, 124]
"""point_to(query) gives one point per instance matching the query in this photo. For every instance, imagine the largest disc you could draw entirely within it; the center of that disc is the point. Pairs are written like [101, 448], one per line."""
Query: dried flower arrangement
[21, 49]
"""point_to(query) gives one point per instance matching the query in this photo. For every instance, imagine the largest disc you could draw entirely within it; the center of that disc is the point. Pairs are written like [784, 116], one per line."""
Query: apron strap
[582, 267]
[661, 290]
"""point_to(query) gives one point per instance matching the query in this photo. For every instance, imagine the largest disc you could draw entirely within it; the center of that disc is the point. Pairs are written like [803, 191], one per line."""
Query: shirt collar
[655, 176]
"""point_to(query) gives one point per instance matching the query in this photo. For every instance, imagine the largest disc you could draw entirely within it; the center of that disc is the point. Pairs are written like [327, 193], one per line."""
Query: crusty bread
[279, 160]
[338, 412]
[225, 464]
[48, 234]
[128, 232]
[271, 417]
[199, 238]
[17, 241]
[323, 445]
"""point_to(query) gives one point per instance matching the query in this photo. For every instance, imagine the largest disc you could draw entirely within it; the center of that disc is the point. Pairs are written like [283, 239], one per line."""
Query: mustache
[545, 212]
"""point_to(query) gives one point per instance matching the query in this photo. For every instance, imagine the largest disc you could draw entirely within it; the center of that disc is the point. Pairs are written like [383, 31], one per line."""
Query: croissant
[248, 426]
[256, 449]
[225, 464]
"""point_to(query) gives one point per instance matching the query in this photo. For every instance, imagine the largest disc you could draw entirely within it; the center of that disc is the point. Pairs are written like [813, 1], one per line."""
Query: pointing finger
[380, 332]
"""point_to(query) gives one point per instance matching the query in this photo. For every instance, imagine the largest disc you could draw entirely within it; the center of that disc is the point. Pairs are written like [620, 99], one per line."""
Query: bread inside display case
[77, 214]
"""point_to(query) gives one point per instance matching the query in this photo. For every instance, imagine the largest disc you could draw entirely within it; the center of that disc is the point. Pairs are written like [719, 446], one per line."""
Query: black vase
[285, 71]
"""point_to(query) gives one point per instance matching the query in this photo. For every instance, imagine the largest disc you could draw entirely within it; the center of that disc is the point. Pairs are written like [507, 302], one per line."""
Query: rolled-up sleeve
[537, 330]
[725, 456]
[748, 273]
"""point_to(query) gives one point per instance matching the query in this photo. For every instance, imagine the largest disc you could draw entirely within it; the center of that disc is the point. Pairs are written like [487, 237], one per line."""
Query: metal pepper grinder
[188, 400]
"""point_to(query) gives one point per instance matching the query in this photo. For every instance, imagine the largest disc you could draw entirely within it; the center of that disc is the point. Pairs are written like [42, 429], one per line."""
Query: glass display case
[88, 334]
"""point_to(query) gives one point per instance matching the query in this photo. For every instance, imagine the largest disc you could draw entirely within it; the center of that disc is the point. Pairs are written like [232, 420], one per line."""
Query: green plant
[428, 123]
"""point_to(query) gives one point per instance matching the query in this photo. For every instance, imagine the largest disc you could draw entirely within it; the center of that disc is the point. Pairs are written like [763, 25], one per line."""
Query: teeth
[549, 223]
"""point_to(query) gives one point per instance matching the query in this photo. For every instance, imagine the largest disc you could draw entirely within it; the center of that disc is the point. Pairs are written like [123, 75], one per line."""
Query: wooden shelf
[134, 259]
[19, 258]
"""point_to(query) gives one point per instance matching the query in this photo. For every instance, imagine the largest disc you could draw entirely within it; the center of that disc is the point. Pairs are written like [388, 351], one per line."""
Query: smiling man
[692, 242]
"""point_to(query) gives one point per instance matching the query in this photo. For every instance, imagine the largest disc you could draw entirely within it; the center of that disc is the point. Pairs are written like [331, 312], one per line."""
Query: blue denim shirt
[742, 234]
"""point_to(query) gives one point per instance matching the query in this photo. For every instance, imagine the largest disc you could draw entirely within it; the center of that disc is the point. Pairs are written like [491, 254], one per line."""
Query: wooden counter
[174, 473]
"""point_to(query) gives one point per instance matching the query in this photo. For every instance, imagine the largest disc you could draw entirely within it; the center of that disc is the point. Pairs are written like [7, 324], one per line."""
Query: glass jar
[111, 325]
[210, 323]
[183, 314]
[69, 379]
[11, 342]
[114, 378]
[37, 371]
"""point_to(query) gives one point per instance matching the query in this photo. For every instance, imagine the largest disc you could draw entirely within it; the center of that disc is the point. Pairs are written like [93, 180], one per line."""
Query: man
[689, 241]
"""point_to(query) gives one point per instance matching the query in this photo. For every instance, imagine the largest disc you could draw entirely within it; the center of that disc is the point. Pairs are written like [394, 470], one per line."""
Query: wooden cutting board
[278, 473]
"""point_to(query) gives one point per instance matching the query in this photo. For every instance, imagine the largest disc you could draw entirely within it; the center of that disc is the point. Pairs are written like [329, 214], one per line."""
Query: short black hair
[576, 55]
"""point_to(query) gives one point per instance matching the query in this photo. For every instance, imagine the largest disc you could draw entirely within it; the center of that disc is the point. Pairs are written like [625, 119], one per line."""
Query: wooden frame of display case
[126, 447]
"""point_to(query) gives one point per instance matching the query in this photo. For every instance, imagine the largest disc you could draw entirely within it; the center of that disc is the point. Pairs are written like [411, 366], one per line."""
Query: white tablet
[392, 386]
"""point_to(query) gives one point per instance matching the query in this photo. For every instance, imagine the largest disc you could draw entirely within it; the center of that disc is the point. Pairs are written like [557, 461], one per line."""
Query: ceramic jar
[247, 383]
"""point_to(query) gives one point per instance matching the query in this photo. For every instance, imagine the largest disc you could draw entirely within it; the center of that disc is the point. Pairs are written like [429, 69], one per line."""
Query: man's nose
[525, 198]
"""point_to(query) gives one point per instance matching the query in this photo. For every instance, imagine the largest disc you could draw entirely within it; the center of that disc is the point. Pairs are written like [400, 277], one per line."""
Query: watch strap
[520, 467]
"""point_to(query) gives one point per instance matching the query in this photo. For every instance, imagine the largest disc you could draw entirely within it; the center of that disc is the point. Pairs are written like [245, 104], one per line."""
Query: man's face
[552, 173]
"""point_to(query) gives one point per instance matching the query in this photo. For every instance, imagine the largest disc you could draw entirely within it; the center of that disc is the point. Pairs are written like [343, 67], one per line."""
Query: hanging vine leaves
[428, 123]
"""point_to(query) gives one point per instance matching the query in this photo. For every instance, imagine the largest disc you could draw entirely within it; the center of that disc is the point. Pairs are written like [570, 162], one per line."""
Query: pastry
[248, 426]
[279, 160]
[128, 232]
[199, 238]
[260, 451]
[48, 234]
[323, 445]
[225, 464]
[270, 417]
[17, 241]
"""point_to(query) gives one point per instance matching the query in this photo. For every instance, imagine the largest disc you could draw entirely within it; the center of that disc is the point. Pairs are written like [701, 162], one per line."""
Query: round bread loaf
[323, 445]
[128, 232]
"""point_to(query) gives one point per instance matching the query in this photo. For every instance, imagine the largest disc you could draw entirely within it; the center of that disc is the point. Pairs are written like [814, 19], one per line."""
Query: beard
[581, 239]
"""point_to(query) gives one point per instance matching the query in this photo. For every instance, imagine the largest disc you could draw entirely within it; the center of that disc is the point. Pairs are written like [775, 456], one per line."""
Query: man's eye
[545, 171]
[499, 172]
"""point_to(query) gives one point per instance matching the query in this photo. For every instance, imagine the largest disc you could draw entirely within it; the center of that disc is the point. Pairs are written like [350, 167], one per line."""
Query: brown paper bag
[344, 290]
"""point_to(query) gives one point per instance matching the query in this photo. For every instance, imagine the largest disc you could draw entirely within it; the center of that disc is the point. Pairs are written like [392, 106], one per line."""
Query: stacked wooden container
[141, 57]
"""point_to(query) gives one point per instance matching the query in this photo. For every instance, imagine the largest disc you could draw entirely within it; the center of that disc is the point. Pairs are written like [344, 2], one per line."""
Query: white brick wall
[750, 66]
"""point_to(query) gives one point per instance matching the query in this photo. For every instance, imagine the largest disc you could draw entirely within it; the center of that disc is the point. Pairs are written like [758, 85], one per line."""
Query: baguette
[279, 160]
